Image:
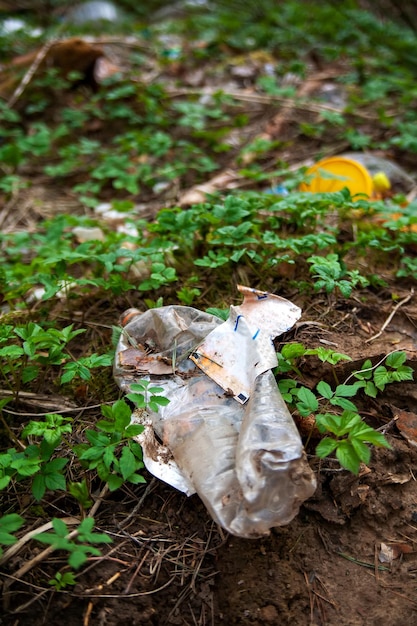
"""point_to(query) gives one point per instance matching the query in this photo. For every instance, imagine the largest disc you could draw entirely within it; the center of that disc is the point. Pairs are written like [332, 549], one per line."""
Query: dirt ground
[349, 558]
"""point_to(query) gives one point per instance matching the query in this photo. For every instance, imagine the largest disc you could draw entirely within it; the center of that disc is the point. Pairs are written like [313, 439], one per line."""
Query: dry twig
[31, 72]
[391, 315]
[15, 548]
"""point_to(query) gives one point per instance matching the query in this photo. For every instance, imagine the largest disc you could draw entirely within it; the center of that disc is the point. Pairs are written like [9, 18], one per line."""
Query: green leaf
[60, 527]
[308, 402]
[325, 447]
[79, 490]
[365, 373]
[133, 430]
[114, 482]
[85, 528]
[62, 580]
[11, 352]
[92, 454]
[68, 375]
[136, 479]
[11, 522]
[396, 359]
[347, 457]
[29, 373]
[346, 391]
[154, 405]
[344, 403]
[348, 421]
[138, 399]
[370, 389]
[55, 481]
[97, 439]
[361, 449]
[141, 385]
[329, 422]
[109, 456]
[327, 355]
[127, 462]
[381, 377]
[154, 390]
[137, 450]
[293, 351]
[345, 288]
[403, 373]
[56, 465]
[363, 432]
[85, 532]
[4, 481]
[324, 390]
[122, 414]
[38, 487]
[106, 426]
[78, 558]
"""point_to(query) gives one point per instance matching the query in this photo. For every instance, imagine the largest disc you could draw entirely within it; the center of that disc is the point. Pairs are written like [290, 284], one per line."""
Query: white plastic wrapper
[226, 433]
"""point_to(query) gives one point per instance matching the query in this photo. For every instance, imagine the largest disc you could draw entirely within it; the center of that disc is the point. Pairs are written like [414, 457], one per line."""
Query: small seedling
[112, 451]
[350, 433]
[78, 543]
[62, 580]
[331, 274]
[147, 397]
[351, 436]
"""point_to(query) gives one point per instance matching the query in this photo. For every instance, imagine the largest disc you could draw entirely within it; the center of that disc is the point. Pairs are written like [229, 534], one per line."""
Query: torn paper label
[236, 352]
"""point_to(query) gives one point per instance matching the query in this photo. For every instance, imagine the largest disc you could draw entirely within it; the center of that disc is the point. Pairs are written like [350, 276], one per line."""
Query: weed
[78, 543]
[145, 396]
[331, 275]
[62, 580]
[111, 450]
[32, 348]
[350, 433]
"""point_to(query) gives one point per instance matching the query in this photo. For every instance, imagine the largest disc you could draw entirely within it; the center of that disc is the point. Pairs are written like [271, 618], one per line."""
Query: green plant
[78, 543]
[80, 491]
[374, 378]
[331, 275]
[62, 580]
[145, 396]
[33, 462]
[111, 450]
[350, 433]
[292, 352]
[39, 347]
[52, 429]
[351, 436]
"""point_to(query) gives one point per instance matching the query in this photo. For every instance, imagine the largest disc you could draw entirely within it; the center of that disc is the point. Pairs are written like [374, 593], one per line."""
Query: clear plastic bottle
[245, 461]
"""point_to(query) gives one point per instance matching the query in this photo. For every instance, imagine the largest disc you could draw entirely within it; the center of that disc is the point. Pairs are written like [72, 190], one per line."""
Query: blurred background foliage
[404, 12]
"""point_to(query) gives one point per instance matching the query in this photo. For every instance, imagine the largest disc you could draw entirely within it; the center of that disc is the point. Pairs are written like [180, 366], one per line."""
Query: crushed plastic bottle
[226, 435]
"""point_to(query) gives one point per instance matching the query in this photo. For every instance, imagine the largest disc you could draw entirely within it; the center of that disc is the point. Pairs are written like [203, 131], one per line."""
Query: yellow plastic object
[381, 182]
[335, 173]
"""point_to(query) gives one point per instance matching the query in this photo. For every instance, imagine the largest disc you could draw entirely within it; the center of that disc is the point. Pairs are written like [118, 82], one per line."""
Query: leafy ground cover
[159, 161]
